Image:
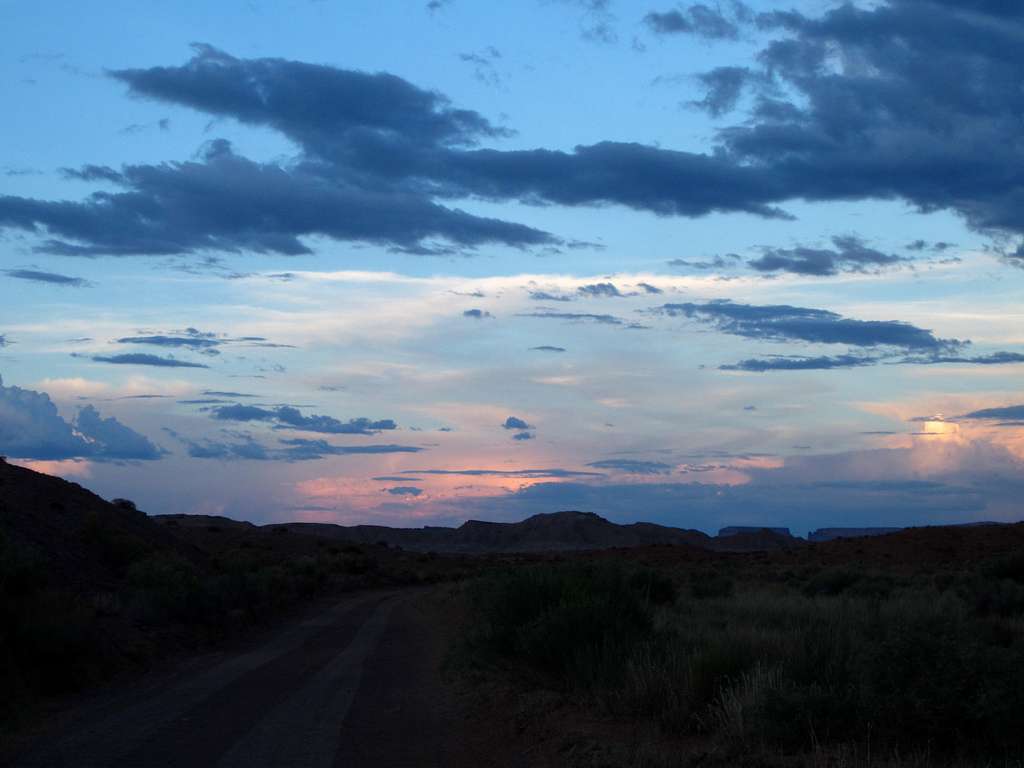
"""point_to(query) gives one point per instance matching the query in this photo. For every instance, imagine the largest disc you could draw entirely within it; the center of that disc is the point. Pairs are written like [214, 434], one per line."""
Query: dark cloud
[547, 348]
[477, 314]
[718, 262]
[287, 417]
[723, 87]
[582, 316]
[221, 393]
[143, 359]
[921, 245]
[544, 296]
[633, 466]
[850, 255]
[4, 341]
[797, 363]
[819, 326]
[225, 202]
[995, 358]
[514, 422]
[244, 446]
[46, 277]
[1012, 412]
[514, 473]
[599, 290]
[698, 19]
[648, 288]
[305, 450]
[31, 428]
[404, 490]
[394, 479]
[483, 63]
[190, 342]
[902, 100]
[523, 436]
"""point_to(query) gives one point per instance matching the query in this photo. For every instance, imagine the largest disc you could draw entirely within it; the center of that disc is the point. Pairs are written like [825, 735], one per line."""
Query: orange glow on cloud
[63, 469]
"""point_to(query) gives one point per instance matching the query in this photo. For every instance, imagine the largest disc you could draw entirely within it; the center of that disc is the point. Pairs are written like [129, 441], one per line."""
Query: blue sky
[727, 263]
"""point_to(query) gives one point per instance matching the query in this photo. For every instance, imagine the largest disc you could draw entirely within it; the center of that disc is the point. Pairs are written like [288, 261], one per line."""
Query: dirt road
[356, 685]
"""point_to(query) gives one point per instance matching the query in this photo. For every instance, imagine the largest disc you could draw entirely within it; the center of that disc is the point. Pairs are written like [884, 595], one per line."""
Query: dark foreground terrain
[127, 640]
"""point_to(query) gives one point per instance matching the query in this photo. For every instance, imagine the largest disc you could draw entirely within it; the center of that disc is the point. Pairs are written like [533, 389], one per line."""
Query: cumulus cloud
[523, 436]
[32, 428]
[287, 417]
[53, 278]
[545, 296]
[514, 422]
[607, 290]
[477, 314]
[902, 100]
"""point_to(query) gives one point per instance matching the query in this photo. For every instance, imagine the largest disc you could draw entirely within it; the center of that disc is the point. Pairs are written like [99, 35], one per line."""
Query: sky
[413, 263]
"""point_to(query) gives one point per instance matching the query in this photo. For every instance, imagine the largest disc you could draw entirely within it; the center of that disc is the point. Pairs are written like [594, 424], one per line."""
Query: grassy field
[758, 666]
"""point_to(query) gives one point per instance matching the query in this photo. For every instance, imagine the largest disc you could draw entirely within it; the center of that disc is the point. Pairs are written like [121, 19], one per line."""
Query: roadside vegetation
[831, 666]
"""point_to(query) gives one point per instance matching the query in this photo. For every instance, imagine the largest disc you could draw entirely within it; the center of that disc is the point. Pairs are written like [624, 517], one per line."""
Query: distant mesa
[736, 530]
[830, 534]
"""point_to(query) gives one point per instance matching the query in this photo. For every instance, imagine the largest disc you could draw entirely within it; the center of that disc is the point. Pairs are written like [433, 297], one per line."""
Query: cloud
[287, 417]
[544, 296]
[819, 326]
[513, 422]
[144, 359]
[547, 348]
[995, 358]
[483, 63]
[4, 341]
[190, 342]
[633, 467]
[527, 474]
[112, 439]
[850, 255]
[46, 277]
[582, 316]
[523, 436]
[31, 428]
[304, 450]
[1006, 412]
[718, 262]
[906, 100]
[698, 19]
[477, 314]
[599, 290]
[404, 490]
[225, 202]
[648, 288]
[798, 363]
[921, 245]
